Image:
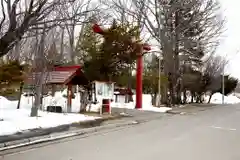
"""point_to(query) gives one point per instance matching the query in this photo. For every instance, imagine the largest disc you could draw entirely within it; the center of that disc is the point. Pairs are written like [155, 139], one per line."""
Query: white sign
[104, 90]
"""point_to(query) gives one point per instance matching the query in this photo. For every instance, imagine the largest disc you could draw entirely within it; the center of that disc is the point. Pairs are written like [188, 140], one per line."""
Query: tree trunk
[20, 95]
[201, 98]
[71, 30]
[154, 99]
[172, 97]
[84, 101]
[179, 95]
[167, 48]
[198, 98]
[192, 96]
[72, 52]
[53, 89]
[69, 98]
[129, 96]
[184, 97]
[176, 82]
[210, 97]
[40, 67]
[164, 95]
[37, 102]
[62, 46]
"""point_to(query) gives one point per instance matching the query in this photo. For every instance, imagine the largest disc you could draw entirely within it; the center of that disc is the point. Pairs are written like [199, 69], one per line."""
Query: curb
[57, 136]
[39, 132]
[174, 112]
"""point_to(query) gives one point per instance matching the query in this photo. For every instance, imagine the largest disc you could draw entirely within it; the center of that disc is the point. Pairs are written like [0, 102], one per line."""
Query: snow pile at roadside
[14, 120]
[58, 99]
[146, 104]
[94, 107]
[230, 99]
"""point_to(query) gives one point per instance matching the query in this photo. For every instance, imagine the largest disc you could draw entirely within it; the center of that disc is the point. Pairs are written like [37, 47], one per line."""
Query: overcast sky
[231, 43]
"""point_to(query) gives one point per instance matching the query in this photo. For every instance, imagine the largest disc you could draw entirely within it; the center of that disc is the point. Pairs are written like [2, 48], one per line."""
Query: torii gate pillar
[139, 84]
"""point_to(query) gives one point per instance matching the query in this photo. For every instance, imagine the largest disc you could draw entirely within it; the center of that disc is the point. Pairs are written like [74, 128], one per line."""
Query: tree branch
[3, 13]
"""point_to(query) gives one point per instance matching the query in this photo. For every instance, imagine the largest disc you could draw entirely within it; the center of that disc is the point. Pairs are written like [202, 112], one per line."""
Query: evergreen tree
[107, 58]
[11, 75]
[88, 45]
[230, 83]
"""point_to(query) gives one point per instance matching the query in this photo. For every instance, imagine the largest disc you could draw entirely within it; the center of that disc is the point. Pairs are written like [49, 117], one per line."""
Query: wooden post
[69, 98]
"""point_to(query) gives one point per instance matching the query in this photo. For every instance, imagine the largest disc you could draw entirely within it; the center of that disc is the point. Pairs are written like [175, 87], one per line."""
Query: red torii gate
[97, 29]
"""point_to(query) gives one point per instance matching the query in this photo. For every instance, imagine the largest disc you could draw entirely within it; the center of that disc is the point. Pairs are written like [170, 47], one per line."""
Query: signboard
[103, 94]
[104, 90]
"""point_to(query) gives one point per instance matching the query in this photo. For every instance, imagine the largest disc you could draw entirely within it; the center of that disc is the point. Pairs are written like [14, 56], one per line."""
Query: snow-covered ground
[217, 98]
[230, 99]
[146, 104]
[14, 120]
[59, 100]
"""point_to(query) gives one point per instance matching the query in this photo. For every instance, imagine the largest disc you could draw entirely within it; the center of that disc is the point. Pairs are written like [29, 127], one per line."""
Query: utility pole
[159, 60]
[176, 60]
[223, 85]
[159, 79]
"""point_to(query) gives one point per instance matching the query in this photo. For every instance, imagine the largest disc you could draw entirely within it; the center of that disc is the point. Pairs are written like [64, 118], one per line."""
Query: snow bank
[146, 104]
[14, 120]
[233, 99]
[230, 99]
[58, 99]
[19, 120]
[94, 107]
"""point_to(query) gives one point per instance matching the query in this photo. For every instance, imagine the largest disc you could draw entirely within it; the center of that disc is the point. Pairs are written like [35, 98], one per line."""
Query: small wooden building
[60, 75]
[123, 95]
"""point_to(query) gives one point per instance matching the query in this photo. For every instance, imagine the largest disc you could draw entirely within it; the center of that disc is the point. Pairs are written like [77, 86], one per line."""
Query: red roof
[67, 68]
[59, 75]
[123, 91]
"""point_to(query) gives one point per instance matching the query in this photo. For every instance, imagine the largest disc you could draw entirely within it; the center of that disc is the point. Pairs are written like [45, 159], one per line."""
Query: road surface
[213, 134]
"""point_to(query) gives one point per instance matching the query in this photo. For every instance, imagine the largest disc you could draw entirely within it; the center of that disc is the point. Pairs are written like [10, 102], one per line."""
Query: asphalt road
[213, 134]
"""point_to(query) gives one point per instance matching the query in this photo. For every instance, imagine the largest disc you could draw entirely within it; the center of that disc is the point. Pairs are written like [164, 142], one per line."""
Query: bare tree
[83, 9]
[190, 28]
[126, 13]
[61, 44]
[214, 70]
[129, 12]
[16, 20]
[45, 55]
[39, 69]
